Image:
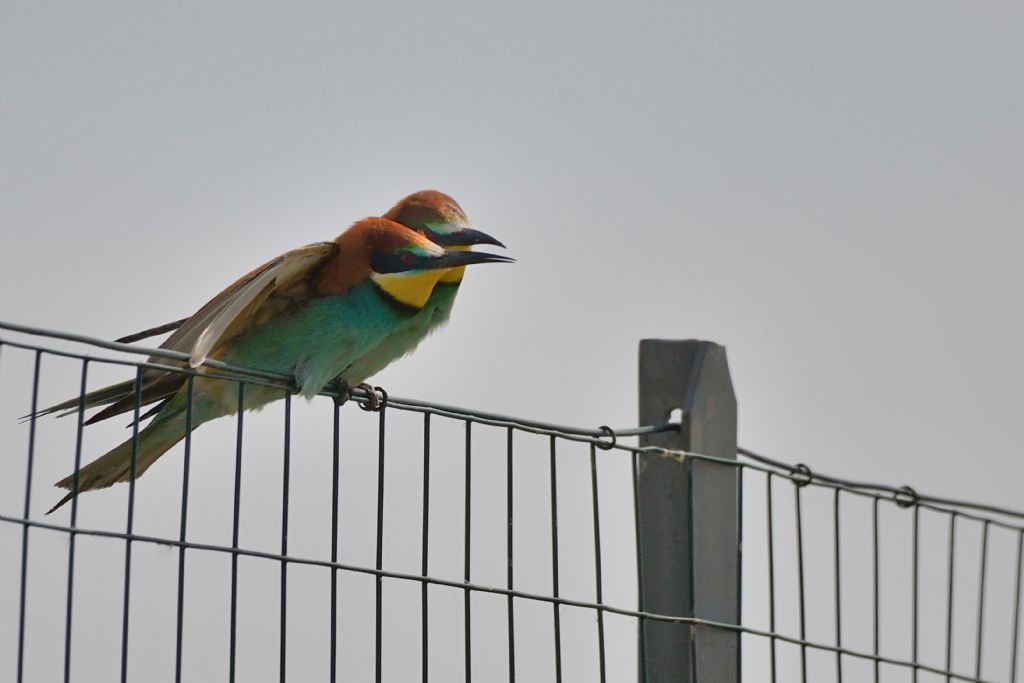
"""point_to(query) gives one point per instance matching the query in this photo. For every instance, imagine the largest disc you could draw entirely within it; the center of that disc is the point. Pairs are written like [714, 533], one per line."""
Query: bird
[316, 313]
[439, 218]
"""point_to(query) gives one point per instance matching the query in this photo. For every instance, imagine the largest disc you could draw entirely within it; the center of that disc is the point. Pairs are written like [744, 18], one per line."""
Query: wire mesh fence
[425, 542]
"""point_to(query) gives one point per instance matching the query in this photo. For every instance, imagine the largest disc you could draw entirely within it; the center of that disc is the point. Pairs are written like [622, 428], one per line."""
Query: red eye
[407, 258]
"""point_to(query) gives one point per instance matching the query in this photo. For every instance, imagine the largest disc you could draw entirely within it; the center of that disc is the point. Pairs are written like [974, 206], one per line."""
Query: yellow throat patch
[411, 289]
[454, 275]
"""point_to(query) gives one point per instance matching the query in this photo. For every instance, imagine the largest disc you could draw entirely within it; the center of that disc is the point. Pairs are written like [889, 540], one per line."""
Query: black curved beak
[455, 259]
[467, 237]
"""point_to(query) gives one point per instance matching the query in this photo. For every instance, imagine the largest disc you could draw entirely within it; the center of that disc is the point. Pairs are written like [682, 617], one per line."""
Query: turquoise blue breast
[323, 337]
[406, 337]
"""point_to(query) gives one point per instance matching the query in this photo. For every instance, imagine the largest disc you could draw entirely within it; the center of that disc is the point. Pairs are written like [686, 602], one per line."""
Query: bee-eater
[441, 220]
[313, 313]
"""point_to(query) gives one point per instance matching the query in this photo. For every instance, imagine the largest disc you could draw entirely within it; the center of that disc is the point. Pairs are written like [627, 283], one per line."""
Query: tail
[119, 398]
[94, 398]
[115, 466]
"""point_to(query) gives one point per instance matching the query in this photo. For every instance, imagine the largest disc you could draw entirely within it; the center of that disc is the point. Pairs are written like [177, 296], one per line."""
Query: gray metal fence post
[688, 515]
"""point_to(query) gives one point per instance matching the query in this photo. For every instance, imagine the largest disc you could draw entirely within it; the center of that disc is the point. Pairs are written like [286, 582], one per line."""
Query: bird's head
[402, 262]
[440, 218]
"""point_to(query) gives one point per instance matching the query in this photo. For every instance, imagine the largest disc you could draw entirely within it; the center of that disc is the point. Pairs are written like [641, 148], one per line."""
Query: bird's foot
[344, 393]
[377, 398]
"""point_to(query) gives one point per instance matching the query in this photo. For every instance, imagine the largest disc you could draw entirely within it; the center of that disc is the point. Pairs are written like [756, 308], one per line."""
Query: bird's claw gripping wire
[376, 397]
[344, 393]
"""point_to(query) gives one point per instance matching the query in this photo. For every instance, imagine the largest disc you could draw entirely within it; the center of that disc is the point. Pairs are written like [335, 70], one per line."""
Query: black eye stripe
[395, 263]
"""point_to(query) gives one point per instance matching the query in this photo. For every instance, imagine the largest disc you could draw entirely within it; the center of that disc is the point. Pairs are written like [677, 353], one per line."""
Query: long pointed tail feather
[118, 398]
[152, 332]
[152, 391]
[99, 397]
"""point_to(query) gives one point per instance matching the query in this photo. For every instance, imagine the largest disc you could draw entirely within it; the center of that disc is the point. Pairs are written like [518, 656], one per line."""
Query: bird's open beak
[455, 259]
[466, 237]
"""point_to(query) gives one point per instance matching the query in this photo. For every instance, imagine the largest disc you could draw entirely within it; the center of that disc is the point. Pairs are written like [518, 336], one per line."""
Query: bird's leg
[344, 392]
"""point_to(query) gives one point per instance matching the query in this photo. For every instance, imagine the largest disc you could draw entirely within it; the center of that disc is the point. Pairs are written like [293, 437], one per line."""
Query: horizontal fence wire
[774, 472]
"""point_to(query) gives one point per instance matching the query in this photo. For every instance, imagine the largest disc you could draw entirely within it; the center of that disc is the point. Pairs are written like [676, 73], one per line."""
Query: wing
[227, 313]
[222, 317]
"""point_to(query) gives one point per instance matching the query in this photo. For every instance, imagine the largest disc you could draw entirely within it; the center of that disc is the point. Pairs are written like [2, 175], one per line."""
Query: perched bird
[316, 313]
[441, 220]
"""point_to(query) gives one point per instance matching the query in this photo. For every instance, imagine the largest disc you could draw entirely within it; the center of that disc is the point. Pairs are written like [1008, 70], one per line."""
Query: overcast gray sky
[833, 191]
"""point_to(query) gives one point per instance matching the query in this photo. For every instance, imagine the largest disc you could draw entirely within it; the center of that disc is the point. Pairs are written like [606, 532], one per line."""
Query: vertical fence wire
[1016, 607]
[129, 524]
[838, 603]
[598, 581]
[875, 587]
[74, 521]
[189, 395]
[285, 481]
[509, 547]
[797, 486]
[981, 599]
[770, 526]
[28, 502]
[466, 553]
[235, 522]
[335, 499]
[914, 592]
[425, 553]
[379, 563]
[949, 596]
[641, 624]
[554, 563]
